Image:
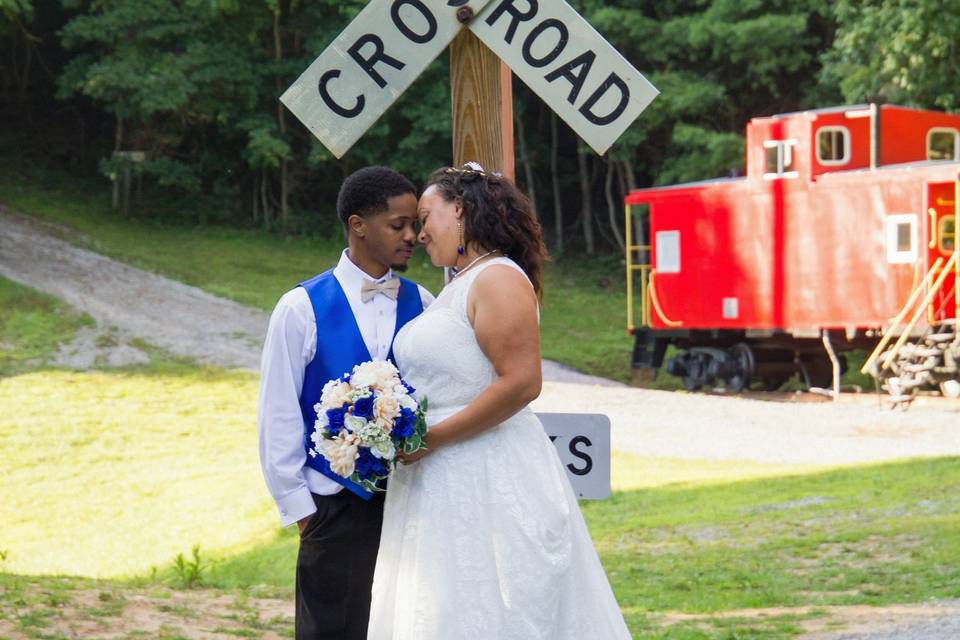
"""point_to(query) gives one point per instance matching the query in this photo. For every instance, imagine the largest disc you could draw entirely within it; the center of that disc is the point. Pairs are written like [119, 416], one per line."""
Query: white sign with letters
[583, 442]
[369, 65]
[568, 64]
[545, 42]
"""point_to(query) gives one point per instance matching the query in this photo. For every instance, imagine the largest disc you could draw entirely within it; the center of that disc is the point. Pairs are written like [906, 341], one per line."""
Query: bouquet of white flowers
[363, 419]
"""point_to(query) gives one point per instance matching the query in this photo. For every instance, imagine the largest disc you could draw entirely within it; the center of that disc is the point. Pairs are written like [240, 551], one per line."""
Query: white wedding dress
[483, 539]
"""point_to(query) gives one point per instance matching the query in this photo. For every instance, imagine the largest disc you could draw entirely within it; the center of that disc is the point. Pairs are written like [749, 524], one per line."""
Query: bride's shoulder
[500, 277]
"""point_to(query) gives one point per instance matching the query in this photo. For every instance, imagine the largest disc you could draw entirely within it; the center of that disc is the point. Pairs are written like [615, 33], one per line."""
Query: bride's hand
[410, 458]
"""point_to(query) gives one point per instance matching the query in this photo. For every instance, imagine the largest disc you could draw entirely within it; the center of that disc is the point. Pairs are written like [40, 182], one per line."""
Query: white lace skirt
[484, 539]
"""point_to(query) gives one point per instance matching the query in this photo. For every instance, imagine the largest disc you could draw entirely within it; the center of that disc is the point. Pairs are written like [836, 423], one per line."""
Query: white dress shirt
[290, 346]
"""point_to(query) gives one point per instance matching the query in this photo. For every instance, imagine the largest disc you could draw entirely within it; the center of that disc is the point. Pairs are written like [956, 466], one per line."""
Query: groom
[318, 331]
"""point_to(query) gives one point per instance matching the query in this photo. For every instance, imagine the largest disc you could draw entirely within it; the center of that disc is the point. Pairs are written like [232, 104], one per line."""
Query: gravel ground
[938, 620]
[129, 303]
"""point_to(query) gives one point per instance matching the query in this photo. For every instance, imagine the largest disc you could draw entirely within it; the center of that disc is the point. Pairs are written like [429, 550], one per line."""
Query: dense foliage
[194, 84]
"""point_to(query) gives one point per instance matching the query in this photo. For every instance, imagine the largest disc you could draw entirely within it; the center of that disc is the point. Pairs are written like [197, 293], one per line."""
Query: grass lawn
[127, 469]
[584, 311]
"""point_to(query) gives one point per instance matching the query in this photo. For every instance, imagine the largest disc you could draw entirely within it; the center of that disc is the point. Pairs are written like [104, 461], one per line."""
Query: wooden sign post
[481, 101]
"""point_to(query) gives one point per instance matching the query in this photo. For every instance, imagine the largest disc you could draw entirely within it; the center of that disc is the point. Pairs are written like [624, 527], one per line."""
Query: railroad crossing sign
[583, 444]
[545, 42]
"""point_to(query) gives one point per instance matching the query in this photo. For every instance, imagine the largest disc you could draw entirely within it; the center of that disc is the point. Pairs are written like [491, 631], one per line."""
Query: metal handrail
[656, 303]
[631, 267]
[951, 264]
[888, 335]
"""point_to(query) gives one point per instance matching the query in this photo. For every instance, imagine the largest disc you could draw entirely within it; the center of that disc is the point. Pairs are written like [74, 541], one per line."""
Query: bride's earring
[460, 231]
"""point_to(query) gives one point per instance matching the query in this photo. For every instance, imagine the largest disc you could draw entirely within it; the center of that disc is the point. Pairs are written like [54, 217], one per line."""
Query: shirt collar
[350, 275]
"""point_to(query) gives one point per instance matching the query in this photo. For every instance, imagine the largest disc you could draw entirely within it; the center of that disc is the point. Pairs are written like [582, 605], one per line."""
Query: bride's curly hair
[496, 215]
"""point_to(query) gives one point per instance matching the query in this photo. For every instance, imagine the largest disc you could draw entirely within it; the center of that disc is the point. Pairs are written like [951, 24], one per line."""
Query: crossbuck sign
[545, 42]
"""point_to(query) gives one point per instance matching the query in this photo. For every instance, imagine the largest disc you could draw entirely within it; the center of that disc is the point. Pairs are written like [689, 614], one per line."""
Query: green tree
[904, 51]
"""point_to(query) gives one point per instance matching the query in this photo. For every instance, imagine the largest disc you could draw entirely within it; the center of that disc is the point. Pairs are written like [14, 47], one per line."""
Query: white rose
[335, 395]
[386, 407]
[387, 376]
[353, 423]
[407, 402]
[323, 420]
[342, 454]
[386, 426]
[384, 450]
[364, 375]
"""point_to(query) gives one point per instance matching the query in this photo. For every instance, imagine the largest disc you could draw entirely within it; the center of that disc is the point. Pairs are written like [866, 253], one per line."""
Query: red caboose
[845, 216]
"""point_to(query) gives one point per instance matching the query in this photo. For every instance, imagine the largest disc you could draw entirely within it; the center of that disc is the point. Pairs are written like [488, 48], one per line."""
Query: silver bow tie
[389, 288]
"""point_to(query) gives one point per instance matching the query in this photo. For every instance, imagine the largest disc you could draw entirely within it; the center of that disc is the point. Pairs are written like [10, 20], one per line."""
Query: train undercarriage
[735, 360]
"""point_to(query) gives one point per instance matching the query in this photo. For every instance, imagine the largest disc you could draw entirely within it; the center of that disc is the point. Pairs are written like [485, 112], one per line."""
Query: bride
[482, 536]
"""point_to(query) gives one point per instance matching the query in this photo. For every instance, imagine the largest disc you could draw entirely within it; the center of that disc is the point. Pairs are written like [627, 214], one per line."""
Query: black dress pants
[338, 553]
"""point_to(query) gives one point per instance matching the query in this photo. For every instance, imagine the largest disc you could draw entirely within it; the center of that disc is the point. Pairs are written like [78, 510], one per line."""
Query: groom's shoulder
[297, 298]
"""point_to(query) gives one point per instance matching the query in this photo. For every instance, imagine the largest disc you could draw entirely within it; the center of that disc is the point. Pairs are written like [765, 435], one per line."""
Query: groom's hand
[302, 523]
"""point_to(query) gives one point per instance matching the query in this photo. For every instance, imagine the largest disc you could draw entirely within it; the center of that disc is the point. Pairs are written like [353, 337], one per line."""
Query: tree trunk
[24, 80]
[281, 121]
[525, 161]
[631, 175]
[264, 199]
[586, 206]
[555, 177]
[254, 202]
[117, 146]
[612, 207]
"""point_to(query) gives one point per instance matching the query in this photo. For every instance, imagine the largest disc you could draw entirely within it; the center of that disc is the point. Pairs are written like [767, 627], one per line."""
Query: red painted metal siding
[804, 252]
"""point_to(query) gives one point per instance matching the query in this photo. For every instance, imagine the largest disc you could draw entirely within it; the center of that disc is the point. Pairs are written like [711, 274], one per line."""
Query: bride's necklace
[472, 262]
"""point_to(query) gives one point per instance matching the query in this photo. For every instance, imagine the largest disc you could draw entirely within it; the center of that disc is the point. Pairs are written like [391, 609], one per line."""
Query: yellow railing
[632, 267]
[933, 282]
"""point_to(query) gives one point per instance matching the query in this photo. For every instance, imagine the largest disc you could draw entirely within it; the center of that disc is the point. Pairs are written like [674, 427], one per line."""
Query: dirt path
[60, 609]
[128, 303]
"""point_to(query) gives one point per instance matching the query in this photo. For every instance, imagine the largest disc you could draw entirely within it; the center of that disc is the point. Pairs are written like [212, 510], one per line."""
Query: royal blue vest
[340, 347]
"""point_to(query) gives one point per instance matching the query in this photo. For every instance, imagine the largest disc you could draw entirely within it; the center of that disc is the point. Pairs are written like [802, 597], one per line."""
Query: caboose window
[779, 159]
[902, 238]
[833, 145]
[943, 144]
[946, 233]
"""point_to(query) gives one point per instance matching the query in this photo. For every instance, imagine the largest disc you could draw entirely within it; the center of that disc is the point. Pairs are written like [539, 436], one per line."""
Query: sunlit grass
[108, 474]
[32, 325]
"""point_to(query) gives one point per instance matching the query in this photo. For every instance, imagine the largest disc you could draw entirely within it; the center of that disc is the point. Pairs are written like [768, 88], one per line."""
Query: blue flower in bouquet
[368, 466]
[335, 418]
[363, 407]
[405, 422]
[410, 390]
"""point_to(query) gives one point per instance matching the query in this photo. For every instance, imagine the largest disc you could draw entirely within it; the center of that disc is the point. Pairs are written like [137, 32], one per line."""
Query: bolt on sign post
[579, 75]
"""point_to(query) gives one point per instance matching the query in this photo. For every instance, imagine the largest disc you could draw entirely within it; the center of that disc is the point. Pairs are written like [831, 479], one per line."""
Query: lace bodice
[451, 376]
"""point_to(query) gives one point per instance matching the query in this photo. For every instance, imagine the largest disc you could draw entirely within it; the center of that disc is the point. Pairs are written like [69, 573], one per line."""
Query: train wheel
[742, 356]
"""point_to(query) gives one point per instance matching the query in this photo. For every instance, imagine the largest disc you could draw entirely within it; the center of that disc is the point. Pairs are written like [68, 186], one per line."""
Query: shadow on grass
[862, 535]
[873, 534]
